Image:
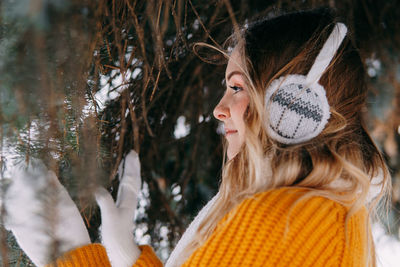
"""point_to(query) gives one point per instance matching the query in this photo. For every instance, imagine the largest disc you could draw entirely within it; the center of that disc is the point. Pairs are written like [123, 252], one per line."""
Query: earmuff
[296, 105]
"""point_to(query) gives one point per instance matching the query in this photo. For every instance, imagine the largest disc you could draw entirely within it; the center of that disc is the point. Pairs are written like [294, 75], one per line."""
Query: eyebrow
[236, 72]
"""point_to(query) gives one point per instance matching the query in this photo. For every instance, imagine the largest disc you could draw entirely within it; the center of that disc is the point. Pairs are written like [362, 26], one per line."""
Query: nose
[221, 111]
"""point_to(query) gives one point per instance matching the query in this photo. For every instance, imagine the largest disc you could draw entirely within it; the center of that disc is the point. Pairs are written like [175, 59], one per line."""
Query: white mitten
[41, 214]
[117, 219]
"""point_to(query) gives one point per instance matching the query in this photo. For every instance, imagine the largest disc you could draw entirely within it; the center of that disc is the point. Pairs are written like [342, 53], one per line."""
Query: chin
[231, 154]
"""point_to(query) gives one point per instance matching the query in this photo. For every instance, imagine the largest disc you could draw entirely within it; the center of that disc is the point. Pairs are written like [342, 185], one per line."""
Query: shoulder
[291, 201]
[288, 222]
[290, 214]
[279, 227]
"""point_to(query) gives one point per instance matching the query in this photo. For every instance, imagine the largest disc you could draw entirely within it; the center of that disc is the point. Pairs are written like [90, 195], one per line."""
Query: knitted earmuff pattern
[297, 108]
[297, 113]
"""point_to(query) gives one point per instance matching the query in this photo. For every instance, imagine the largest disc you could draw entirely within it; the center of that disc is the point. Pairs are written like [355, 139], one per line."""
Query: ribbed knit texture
[147, 258]
[93, 255]
[253, 235]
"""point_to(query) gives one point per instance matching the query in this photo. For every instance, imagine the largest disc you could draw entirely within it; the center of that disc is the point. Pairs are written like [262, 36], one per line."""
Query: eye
[236, 88]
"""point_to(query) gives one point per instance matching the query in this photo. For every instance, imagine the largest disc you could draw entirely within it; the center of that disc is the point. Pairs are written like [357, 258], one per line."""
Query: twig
[233, 19]
[144, 109]
[121, 137]
[155, 85]
[135, 126]
[203, 26]
[112, 67]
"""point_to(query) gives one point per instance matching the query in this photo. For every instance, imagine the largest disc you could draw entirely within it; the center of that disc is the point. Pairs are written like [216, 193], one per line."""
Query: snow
[387, 247]
[181, 129]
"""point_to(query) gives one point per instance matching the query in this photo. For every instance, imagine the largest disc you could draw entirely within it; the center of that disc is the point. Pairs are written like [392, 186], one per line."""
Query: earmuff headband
[327, 53]
[297, 107]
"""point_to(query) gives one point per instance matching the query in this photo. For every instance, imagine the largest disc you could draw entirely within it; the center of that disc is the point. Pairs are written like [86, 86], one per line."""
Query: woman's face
[232, 106]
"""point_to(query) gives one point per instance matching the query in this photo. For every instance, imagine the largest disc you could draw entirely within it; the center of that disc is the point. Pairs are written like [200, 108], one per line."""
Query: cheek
[240, 109]
[239, 114]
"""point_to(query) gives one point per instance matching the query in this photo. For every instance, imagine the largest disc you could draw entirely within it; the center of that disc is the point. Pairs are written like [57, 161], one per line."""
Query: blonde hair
[343, 152]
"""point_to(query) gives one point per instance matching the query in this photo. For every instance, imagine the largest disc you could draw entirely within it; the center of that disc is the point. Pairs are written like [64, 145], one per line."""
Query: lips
[230, 131]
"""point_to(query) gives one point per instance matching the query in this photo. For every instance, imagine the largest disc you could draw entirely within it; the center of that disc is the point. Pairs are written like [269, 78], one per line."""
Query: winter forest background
[84, 81]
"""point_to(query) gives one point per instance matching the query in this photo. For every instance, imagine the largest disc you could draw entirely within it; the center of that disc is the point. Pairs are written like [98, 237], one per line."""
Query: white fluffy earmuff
[296, 105]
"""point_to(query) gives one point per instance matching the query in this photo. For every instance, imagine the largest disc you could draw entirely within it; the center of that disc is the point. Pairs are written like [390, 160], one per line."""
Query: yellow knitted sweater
[255, 236]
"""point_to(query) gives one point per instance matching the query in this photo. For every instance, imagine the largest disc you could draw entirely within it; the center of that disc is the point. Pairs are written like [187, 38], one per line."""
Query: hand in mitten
[41, 214]
[117, 219]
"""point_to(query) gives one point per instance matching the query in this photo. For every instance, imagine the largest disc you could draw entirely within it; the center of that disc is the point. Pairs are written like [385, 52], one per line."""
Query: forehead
[234, 63]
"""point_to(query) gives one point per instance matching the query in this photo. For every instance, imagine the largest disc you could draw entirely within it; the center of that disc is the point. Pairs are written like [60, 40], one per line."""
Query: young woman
[295, 186]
